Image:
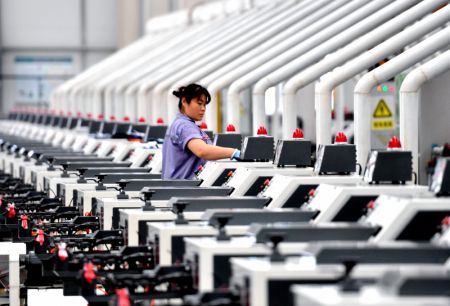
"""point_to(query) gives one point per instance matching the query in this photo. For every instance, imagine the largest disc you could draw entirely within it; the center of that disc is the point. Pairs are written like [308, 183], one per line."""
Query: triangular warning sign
[382, 110]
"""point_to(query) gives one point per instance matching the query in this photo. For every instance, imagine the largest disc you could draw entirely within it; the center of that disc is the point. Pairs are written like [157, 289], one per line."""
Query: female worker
[186, 146]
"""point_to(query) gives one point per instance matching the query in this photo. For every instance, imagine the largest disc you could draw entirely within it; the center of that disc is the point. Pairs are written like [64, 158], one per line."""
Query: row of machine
[86, 218]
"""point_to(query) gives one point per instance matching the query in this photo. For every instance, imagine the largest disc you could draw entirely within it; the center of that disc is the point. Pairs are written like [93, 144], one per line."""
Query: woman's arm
[208, 152]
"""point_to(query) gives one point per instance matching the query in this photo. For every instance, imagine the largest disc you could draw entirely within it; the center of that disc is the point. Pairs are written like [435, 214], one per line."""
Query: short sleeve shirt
[178, 161]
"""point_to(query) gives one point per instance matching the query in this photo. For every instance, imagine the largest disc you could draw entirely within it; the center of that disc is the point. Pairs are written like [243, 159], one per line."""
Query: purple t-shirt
[178, 161]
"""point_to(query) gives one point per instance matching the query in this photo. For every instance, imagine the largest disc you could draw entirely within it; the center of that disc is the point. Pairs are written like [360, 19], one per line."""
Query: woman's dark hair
[190, 92]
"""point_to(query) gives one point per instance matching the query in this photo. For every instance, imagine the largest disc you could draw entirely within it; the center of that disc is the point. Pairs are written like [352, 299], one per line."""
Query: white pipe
[202, 36]
[244, 37]
[92, 92]
[311, 56]
[157, 28]
[116, 91]
[151, 74]
[84, 78]
[363, 88]
[131, 98]
[348, 52]
[104, 88]
[225, 34]
[110, 64]
[62, 93]
[205, 12]
[295, 23]
[264, 65]
[410, 102]
[364, 61]
[286, 40]
[257, 18]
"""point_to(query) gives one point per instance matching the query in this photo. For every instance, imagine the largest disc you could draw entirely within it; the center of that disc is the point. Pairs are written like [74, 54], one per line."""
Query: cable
[54, 193]
[415, 177]
[360, 168]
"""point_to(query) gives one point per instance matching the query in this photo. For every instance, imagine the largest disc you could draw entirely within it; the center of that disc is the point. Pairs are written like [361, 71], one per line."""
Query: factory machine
[110, 206]
[413, 237]
[291, 157]
[135, 219]
[203, 252]
[167, 237]
[348, 203]
[197, 246]
[254, 276]
[116, 149]
[189, 208]
[420, 286]
[329, 203]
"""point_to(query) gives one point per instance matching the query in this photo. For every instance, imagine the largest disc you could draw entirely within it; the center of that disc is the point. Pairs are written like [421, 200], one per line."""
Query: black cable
[54, 193]
[360, 168]
[415, 177]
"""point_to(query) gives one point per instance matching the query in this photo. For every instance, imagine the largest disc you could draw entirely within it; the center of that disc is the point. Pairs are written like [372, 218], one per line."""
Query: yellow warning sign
[382, 110]
[386, 124]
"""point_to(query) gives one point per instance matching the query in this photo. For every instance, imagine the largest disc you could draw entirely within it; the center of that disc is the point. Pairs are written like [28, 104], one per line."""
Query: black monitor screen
[85, 122]
[108, 127]
[40, 119]
[139, 128]
[73, 123]
[63, 122]
[95, 127]
[48, 120]
[122, 128]
[56, 121]
[157, 132]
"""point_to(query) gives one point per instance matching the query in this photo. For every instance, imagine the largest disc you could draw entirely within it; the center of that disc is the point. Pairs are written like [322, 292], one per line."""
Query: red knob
[62, 252]
[262, 131]
[394, 143]
[340, 138]
[100, 117]
[371, 205]
[203, 125]
[446, 221]
[123, 297]
[160, 120]
[141, 120]
[11, 211]
[89, 273]
[24, 221]
[40, 238]
[126, 119]
[298, 133]
[231, 128]
[112, 118]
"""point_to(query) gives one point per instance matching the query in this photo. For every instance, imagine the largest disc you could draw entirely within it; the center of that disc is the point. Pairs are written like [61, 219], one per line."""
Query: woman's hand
[209, 152]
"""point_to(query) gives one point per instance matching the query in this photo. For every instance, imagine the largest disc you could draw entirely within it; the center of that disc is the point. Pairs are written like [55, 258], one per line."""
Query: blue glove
[236, 155]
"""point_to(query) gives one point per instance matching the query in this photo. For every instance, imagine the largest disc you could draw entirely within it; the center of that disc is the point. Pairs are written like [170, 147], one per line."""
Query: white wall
[434, 124]
[43, 23]
[58, 39]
